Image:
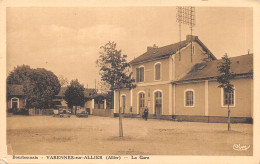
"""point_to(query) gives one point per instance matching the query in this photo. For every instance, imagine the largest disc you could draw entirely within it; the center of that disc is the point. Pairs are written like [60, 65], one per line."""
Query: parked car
[82, 113]
[61, 112]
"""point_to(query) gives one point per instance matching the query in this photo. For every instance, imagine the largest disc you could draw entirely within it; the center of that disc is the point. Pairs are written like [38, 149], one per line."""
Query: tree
[63, 80]
[19, 75]
[114, 70]
[224, 79]
[74, 94]
[103, 87]
[39, 85]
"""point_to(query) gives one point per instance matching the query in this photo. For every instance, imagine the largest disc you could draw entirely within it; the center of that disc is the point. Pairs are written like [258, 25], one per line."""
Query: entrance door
[141, 103]
[158, 103]
[14, 105]
[123, 104]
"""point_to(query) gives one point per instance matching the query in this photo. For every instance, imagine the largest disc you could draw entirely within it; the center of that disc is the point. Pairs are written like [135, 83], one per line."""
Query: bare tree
[63, 81]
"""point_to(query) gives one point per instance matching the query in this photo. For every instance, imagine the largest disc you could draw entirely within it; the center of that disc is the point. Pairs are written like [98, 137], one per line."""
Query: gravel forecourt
[42, 135]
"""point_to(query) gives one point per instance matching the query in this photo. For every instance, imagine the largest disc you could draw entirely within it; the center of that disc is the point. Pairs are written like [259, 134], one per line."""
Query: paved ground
[99, 135]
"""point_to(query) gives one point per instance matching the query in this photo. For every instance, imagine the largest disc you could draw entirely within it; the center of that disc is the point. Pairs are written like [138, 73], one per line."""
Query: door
[14, 102]
[123, 104]
[158, 103]
[14, 106]
[141, 103]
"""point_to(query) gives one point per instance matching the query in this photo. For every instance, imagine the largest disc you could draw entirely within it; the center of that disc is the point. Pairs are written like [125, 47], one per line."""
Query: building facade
[15, 100]
[179, 82]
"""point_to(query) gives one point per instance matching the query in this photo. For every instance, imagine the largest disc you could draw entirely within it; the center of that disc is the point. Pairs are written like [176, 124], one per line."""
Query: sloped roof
[62, 92]
[168, 50]
[88, 92]
[15, 90]
[240, 65]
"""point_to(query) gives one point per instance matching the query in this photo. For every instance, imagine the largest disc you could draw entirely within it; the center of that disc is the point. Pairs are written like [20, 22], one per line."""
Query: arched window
[158, 102]
[189, 98]
[157, 71]
[141, 102]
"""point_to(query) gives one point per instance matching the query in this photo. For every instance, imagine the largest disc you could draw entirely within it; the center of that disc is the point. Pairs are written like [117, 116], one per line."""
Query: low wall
[189, 118]
[40, 112]
[103, 112]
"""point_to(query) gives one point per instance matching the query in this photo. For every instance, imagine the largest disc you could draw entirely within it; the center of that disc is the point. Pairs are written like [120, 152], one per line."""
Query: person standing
[146, 113]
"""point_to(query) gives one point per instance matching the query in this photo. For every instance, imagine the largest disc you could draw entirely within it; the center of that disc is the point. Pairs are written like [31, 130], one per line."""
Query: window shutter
[157, 71]
[137, 74]
[141, 74]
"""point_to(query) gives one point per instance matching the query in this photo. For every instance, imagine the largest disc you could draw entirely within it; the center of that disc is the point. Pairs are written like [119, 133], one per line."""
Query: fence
[103, 112]
[33, 112]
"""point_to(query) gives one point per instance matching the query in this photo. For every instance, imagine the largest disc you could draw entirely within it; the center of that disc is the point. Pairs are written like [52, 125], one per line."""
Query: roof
[155, 53]
[15, 90]
[240, 65]
[101, 95]
[88, 92]
[62, 91]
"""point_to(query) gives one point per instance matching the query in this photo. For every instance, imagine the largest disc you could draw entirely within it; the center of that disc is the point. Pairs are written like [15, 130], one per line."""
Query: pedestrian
[146, 113]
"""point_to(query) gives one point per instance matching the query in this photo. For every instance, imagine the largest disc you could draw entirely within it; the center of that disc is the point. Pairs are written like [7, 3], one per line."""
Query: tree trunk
[120, 118]
[112, 100]
[229, 128]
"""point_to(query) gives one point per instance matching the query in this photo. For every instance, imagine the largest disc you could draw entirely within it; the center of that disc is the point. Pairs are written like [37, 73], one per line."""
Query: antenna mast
[186, 15]
[179, 19]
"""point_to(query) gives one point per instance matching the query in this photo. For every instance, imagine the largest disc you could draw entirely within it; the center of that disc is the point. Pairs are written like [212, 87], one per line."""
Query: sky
[67, 40]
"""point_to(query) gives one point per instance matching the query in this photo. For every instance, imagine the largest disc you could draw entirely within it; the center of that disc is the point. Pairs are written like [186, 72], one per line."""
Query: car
[82, 113]
[61, 112]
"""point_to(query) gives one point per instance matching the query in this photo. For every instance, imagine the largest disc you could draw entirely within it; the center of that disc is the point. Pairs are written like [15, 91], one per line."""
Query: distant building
[177, 82]
[59, 99]
[16, 99]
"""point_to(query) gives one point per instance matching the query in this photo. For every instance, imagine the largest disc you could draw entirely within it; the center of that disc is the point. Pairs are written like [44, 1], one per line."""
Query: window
[227, 95]
[140, 74]
[157, 71]
[141, 100]
[123, 103]
[158, 102]
[189, 98]
[14, 103]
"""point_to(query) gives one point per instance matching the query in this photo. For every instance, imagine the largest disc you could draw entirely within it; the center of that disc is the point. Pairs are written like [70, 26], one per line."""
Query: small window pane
[231, 97]
[189, 98]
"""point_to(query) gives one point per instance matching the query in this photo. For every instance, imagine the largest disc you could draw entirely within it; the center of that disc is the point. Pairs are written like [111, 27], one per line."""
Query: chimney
[189, 37]
[149, 48]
